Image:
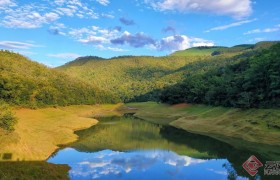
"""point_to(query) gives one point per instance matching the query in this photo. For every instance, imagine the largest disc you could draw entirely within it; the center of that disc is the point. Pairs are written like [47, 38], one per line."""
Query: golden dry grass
[38, 133]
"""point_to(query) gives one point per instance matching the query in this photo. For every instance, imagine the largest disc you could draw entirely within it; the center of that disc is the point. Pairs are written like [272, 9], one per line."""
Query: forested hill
[247, 80]
[241, 76]
[143, 78]
[129, 77]
[27, 83]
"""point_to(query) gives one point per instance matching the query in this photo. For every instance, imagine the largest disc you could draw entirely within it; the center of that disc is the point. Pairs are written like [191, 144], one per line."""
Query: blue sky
[54, 32]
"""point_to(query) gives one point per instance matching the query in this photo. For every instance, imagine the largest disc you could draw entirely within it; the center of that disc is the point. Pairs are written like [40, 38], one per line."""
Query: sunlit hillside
[27, 83]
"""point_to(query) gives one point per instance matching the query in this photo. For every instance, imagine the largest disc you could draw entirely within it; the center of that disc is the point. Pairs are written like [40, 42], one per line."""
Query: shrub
[7, 118]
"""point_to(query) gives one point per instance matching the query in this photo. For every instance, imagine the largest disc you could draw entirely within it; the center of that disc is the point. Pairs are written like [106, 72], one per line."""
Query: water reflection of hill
[128, 133]
[125, 134]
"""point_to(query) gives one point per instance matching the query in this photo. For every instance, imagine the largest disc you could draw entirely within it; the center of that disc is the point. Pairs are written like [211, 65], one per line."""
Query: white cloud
[105, 15]
[94, 165]
[95, 28]
[27, 17]
[80, 15]
[75, 2]
[181, 42]
[6, 3]
[94, 35]
[65, 55]
[51, 17]
[119, 164]
[35, 15]
[198, 44]
[94, 40]
[109, 34]
[15, 45]
[59, 26]
[253, 31]
[267, 30]
[236, 8]
[103, 2]
[105, 39]
[225, 173]
[170, 43]
[235, 24]
[82, 32]
[59, 2]
[67, 11]
[68, 2]
[174, 43]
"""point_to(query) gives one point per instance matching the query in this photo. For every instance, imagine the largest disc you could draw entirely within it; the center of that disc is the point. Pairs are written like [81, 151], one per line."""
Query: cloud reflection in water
[139, 164]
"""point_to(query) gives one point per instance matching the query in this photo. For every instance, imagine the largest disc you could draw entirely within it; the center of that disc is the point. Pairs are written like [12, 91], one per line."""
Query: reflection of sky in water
[140, 164]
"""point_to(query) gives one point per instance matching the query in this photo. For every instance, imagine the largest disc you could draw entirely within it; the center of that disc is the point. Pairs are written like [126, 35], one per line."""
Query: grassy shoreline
[40, 132]
[252, 125]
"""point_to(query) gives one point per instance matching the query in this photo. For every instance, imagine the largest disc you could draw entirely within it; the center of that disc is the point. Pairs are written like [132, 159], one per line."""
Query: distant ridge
[216, 50]
[194, 51]
[83, 60]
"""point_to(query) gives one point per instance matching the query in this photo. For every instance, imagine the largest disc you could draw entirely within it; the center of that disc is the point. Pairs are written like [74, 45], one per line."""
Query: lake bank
[226, 124]
[39, 132]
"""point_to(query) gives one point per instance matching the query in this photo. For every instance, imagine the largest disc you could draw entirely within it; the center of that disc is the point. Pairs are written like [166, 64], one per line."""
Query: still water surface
[129, 148]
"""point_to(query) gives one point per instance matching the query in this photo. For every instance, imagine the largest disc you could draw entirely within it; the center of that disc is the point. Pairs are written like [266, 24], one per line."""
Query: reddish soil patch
[181, 105]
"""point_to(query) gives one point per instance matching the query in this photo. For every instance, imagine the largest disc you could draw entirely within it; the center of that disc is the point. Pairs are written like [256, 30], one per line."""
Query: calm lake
[130, 148]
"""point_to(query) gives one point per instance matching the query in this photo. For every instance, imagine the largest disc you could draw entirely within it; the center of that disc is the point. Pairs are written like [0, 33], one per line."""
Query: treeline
[251, 79]
[30, 84]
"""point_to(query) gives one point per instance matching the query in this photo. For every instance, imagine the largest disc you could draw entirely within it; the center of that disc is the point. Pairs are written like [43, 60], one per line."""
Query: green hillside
[27, 83]
[141, 78]
[250, 79]
[129, 76]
